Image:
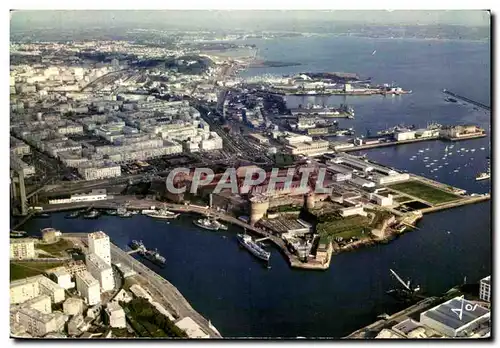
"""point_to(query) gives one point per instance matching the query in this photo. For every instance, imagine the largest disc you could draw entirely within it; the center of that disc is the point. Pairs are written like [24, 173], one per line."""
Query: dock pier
[465, 99]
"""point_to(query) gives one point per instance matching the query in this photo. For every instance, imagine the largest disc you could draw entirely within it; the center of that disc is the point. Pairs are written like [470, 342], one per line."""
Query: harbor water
[242, 298]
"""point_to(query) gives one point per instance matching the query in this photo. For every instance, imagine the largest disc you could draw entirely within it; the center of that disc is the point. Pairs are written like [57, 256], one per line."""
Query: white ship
[161, 214]
[483, 176]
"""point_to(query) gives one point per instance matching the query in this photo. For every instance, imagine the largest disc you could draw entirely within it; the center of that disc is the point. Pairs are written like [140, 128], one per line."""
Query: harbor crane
[406, 285]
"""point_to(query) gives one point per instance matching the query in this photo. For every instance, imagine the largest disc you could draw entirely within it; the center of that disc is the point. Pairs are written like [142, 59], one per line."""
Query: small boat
[455, 171]
[135, 245]
[42, 215]
[482, 149]
[18, 234]
[73, 215]
[93, 214]
[111, 212]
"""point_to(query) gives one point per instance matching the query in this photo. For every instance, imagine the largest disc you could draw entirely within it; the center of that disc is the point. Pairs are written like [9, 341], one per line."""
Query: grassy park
[20, 270]
[425, 192]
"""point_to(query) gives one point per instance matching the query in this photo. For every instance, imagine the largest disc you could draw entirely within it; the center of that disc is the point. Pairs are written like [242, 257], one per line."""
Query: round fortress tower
[310, 200]
[258, 208]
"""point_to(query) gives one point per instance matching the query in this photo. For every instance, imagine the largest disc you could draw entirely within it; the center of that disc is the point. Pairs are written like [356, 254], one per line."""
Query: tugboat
[161, 214]
[153, 256]
[248, 243]
[209, 224]
[93, 214]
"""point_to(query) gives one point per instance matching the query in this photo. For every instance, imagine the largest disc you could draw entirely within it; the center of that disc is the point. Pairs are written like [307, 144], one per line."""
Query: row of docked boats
[122, 212]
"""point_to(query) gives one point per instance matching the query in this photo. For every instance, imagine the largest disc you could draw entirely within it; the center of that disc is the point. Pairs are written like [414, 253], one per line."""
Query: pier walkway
[465, 99]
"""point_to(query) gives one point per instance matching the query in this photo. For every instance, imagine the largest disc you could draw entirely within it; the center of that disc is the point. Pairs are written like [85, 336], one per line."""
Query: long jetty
[468, 100]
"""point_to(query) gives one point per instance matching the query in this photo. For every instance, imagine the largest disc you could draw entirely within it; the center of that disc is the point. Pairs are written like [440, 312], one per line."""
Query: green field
[352, 226]
[19, 270]
[423, 191]
[57, 248]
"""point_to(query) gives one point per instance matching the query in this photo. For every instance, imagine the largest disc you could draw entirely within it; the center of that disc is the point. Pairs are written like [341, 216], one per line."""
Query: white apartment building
[101, 271]
[23, 290]
[115, 315]
[41, 303]
[99, 244]
[48, 287]
[313, 148]
[95, 195]
[88, 287]
[18, 147]
[22, 248]
[26, 289]
[62, 277]
[485, 289]
[39, 324]
[70, 129]
[96, 173]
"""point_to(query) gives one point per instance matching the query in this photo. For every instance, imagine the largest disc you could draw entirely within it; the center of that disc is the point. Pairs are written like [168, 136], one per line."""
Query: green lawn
[57, 248]
[344, 227]
[426, 192]
[402, 199]
[19, 270]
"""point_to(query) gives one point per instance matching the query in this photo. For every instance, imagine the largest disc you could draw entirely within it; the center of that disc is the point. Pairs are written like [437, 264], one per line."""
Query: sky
[75, 19]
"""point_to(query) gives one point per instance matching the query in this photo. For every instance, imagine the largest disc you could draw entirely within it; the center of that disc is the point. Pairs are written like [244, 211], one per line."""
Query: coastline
[386, 234]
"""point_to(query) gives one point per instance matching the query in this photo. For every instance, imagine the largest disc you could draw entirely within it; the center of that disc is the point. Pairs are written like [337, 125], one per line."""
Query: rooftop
[97, 235]
[448, 313]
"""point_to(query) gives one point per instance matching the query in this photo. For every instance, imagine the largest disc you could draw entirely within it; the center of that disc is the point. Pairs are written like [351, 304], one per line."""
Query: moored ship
[483, 176]
[209, 224]
[154, 257]
[161, 214]
[248, 243]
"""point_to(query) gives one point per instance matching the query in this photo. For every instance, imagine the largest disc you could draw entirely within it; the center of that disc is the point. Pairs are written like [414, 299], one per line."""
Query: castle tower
[259, 205]
[310, 200]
